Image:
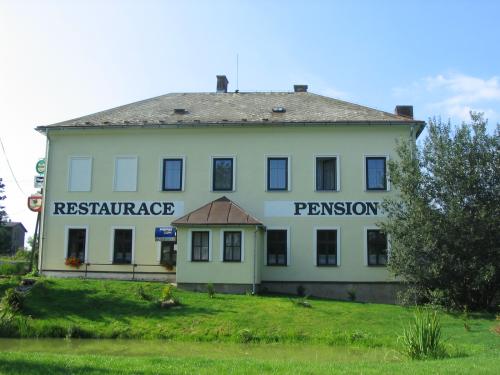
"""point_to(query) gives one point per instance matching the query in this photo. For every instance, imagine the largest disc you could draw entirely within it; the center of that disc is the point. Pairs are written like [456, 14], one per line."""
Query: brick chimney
[300, 88]
[222, 84]
[404, 110]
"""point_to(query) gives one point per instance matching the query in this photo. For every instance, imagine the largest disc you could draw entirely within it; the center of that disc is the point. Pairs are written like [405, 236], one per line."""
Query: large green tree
[444, 227]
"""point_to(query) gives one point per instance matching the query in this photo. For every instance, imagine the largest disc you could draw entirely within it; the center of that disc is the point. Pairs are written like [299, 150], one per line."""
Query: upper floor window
[172, 174]
[376, 246]
[80, 173]
[125, 173]
[277, 173]
[223, 174]
[326, 174]
[376, 176]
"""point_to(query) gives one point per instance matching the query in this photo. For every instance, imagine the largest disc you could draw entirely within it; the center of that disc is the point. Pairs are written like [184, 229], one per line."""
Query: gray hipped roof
[233, 108]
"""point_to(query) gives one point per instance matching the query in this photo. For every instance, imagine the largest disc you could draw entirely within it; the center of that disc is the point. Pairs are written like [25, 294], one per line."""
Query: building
[275, 190]
[14, 239]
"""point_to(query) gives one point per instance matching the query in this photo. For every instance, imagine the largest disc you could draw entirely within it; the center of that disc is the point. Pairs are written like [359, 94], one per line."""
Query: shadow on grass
[19, 366]
[46, 301]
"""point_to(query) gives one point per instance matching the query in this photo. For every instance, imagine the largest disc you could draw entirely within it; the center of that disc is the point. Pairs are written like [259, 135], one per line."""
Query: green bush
[168, 292]
[210, 290]
[12, 300]
[422, 338]
[14, 268]
[22, 254]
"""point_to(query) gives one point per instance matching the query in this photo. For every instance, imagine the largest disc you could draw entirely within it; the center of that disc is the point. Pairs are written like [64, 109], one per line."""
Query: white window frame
[112, 248]
[315, 246]
[70, 171]
[212, 157]
[289, 172]
[222, 243]
[387, 180]
[365, 245]
[288, 246]
[189, 244]
[66, 239]
[116, 158]
[337, 172]
[183, 174]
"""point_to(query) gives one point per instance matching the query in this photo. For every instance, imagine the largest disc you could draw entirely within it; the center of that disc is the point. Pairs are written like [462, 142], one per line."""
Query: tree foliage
[445, 225]
[4, 238]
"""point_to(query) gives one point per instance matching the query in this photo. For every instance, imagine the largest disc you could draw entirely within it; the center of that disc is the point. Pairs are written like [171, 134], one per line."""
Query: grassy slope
[115, 309]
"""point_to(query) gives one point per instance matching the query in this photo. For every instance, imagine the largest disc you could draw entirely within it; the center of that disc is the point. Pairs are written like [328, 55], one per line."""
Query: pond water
[309, 352]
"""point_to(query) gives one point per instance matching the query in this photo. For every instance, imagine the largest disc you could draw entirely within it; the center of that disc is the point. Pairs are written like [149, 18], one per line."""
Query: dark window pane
[223, 174]
[326, 247]
[122, 246]
[168, 254]
[172, 174]
[277, 247]
[377, 247]
[277, 174]
[232, 246]
[76, 243]
[376, 174]
[326, 174]
[199, 246]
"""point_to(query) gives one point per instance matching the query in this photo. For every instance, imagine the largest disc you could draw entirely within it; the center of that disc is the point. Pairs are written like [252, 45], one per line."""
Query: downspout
[44, 206]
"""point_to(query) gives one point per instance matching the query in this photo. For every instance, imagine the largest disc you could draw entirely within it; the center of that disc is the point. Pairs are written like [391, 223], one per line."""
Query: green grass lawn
[120, 309]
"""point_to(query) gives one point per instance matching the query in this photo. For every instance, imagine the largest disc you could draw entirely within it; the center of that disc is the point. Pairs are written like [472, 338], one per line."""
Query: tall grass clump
[422, 338]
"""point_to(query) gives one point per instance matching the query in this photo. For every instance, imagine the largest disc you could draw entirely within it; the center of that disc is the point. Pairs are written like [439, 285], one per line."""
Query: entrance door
[168, 254]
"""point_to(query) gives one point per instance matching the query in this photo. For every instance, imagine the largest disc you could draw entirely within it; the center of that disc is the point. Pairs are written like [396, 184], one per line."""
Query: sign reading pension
[315, 208]
[114, 208]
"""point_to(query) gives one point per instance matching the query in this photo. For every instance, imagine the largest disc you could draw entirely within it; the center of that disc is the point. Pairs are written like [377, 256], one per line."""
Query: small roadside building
[14, 237]
[245, 190]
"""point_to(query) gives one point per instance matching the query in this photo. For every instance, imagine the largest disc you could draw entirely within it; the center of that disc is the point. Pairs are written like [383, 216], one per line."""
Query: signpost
[166, 234]
[40, 167]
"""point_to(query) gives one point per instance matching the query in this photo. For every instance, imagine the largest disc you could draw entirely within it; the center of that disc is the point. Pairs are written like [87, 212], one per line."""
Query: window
[376, 245]
[277, 173]
[125, 173]
[172, 174]
[326, 174]
[200, 246]
[123, 240]
[222, 178]
[80, 173]
[277, 247]
[326, 247]
[76, 243]
[232, 247]
[376, 178]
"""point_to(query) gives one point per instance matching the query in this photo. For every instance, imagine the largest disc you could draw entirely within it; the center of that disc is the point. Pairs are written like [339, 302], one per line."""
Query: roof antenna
[237, 73]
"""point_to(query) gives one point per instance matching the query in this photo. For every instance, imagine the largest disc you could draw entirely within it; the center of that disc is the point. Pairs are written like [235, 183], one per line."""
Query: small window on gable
[80, 173]
[125, 173]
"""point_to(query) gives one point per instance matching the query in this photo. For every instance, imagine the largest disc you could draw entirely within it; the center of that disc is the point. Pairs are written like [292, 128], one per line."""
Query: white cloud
[454, 95]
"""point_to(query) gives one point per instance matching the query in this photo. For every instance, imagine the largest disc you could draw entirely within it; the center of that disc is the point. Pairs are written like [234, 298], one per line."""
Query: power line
[11, 171]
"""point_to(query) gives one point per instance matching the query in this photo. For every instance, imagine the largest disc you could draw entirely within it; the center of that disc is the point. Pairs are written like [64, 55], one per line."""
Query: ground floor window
[277, 247]
[326, 247]
[200, 246]
[122, 246]
[77, 238]
[232, 247]
[376, 245]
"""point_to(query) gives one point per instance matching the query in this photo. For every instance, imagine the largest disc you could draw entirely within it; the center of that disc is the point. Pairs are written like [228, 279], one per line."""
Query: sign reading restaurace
[308, 208]
[113, 208]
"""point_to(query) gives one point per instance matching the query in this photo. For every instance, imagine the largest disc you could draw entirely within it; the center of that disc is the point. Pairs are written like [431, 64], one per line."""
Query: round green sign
[40, 166]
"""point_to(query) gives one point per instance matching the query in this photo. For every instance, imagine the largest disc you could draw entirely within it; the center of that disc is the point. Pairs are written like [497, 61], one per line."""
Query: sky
[64, 59]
